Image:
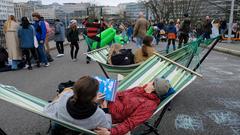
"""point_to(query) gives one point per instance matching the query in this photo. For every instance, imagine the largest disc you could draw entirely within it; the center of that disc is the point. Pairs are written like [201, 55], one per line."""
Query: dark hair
[147, 40]
[85, 89]
[25, 23]
[95, 20]
[185, 15]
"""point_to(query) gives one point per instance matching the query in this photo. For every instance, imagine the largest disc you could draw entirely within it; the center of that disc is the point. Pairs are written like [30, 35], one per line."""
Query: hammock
[180, 55]
[157, 65]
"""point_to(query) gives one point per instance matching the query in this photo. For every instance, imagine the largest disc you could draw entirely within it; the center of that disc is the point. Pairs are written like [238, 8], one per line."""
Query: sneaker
[46, 65]
[26, 66]
[74, 60]
[59, 55]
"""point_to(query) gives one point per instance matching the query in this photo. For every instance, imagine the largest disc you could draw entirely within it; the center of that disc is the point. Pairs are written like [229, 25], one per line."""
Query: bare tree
[173, 9]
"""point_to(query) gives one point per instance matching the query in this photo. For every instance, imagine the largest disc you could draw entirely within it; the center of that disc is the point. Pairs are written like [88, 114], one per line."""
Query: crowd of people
[28, 42]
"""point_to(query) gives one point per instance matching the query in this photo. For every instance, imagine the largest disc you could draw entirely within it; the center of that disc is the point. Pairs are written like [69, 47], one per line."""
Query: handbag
[35, 42]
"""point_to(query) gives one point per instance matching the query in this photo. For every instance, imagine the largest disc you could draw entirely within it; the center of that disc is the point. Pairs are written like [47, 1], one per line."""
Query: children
[172, 34]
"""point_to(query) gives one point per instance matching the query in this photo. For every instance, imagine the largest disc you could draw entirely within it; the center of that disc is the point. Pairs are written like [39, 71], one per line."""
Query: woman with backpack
[12, 43]
[26, 37]
[73, 37]
[119, 56]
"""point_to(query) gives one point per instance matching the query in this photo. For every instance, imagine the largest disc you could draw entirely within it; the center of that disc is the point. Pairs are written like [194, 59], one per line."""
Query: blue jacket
[59, 32]
[41, 30]
[171, 29]
[26, 37]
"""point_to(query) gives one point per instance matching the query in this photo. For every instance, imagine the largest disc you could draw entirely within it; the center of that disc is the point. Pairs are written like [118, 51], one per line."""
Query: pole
[230, 22]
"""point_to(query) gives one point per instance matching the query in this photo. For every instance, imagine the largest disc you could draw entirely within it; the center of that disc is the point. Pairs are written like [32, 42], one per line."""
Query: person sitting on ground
[78, 106]
[146, 51]
[134, 106]
[120, 56]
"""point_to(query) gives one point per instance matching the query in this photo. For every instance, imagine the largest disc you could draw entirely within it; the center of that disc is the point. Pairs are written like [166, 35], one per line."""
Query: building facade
[6, 9]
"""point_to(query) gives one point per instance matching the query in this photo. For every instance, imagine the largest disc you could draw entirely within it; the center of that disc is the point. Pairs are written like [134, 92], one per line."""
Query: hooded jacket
[59, 32]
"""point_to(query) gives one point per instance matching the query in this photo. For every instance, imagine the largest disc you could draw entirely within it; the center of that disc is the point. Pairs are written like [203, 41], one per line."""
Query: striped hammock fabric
[101, 55]
[157, 65]
[180, 56]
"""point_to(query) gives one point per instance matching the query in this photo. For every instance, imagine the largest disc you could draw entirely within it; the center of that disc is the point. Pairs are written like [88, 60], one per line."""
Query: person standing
[223, 26]
[73, 37]
[47, 47]
[184, 31]
[59, 37]
[172, 34]
[26, 35]
[41, 32]
[199, 28]
[207, 28]
[12, 42]
[215, 28]
[140, 29]
[93, 29]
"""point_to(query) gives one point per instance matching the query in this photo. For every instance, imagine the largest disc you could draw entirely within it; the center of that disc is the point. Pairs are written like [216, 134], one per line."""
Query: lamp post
[230, 22]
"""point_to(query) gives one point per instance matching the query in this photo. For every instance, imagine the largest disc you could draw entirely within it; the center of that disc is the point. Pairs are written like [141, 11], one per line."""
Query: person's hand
[102, 131]
[99, 98]
[104, 104]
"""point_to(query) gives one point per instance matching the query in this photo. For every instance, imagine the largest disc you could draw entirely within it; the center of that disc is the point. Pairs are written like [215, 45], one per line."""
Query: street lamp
[230, 22]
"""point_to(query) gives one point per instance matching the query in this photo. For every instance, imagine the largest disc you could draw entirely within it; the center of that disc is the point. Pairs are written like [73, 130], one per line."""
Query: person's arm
[139, 116]
[44, 31]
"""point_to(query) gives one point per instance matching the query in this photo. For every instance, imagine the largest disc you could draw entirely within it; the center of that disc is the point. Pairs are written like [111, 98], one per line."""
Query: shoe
[38, 65]
[59, 55]
[74, 60]
[26, 66]
[29, 68]
[46, 65]
[87, 62]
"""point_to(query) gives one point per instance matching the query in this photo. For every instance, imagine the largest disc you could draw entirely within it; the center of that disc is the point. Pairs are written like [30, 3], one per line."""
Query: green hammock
[157, 65]
[181, 56]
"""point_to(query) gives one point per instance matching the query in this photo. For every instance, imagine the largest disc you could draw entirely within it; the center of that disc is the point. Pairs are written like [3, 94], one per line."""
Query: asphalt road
[209, 106]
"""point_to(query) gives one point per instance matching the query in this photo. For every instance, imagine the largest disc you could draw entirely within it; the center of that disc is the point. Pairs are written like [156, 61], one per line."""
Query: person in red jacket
[134, 106]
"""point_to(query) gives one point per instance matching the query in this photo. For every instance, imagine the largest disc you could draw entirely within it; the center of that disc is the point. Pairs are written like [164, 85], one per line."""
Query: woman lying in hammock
[78, 106]
[119, 56]
[134, 106]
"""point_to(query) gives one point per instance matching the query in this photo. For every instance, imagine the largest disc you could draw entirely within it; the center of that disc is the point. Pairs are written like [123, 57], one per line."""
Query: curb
[225, 50]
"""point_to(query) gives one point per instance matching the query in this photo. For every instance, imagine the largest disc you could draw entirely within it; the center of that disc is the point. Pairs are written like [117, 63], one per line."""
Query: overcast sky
[99, 2]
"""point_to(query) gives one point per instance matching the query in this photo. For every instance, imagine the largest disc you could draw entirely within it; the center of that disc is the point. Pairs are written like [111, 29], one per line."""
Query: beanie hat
[161, 86]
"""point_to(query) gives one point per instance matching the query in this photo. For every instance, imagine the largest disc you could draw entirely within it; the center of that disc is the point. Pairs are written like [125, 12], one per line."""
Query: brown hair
[147, 41]
[36, 14]
[85, 89]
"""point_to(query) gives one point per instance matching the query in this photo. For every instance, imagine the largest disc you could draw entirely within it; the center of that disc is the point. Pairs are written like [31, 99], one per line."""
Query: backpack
[64, 85]
[125, 57]
[3, 57]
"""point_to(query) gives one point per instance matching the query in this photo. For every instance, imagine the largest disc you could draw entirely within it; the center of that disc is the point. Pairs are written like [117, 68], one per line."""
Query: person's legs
[58, 47]
[180, 40]
[77, 49]
[14, 64]
[42, 54]
[186, 38]
[28, 59]
[139, 42]
[173, 42]
[35, 56]
[71, 50]
[62, 47]
[169, 42]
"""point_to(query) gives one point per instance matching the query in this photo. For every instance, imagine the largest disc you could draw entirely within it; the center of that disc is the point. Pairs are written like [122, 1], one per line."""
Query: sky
[98, 2]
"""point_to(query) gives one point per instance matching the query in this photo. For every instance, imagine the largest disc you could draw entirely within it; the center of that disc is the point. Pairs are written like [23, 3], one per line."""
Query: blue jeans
[42, 54]
[139, 42]
[15, 64]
